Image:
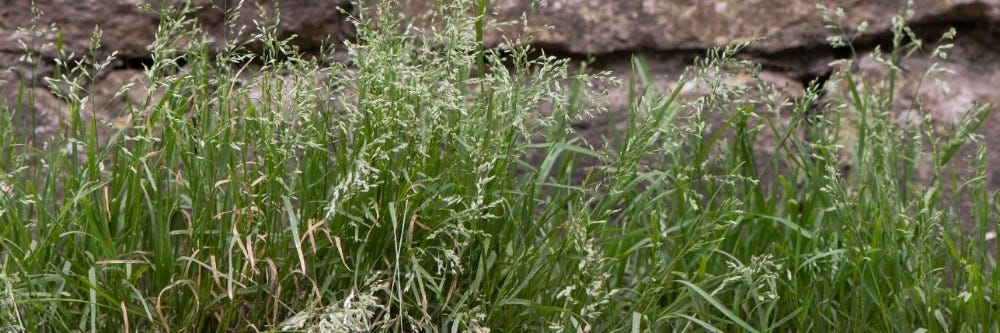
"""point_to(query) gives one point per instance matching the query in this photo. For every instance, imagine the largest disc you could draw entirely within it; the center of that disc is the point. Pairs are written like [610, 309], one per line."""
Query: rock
[578, 26]
[665, 72]
[125, 27]
[39, 115]
[600, 27]
[114, 110]
[314, 23]
[36, 112]
[668, 33]
[770, 90]
[973, 73]
[129, 30]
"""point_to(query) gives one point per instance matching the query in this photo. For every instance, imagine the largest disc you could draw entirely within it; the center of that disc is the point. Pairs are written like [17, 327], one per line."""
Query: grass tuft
[421, 189]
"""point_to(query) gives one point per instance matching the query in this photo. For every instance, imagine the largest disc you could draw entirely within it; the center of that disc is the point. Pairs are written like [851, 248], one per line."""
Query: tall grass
[420, 189]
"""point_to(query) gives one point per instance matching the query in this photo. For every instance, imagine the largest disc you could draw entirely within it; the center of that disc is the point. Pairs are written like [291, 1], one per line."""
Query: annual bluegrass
[420, 188]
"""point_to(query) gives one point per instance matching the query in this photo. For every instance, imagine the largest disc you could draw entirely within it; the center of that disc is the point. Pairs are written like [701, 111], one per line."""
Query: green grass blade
[718, 305]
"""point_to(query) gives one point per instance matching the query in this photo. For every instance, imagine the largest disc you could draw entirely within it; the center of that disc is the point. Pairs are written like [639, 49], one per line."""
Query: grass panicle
[420, 188]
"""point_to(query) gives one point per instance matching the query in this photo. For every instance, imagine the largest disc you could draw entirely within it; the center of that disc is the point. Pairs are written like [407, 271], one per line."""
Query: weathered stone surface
[314, 23]
[667, 33]
[971, 80]
[597, 27]
[111, 108]
[129, 30]
[770, 91]
[665, 72]
[39, 114]
[578, 26]
[126, 28]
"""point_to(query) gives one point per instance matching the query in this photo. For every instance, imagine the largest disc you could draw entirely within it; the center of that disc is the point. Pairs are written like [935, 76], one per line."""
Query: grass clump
[420, 189]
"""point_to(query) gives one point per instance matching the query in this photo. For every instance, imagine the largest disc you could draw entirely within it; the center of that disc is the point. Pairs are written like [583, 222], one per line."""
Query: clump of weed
[420, 189]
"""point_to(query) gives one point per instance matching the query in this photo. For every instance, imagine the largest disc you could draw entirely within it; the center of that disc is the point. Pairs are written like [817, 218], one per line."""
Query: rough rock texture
[129, 29]
[770, 92]
[589, 26]
[578, 26]
[668, 34]
[315, 23]
[970, 81]
[126, 28]
[596, 27]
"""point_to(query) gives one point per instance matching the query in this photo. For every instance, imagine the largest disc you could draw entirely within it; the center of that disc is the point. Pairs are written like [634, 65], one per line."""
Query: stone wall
[667, 34]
